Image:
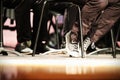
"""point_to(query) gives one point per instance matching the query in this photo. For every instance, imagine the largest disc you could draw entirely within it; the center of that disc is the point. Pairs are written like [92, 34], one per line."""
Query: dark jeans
[22, 15]
[23, 25]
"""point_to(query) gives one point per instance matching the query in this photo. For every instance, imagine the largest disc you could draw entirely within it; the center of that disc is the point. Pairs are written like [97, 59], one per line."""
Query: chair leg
[81, 33]
[57, 34]
[38, 31]
[113, 44]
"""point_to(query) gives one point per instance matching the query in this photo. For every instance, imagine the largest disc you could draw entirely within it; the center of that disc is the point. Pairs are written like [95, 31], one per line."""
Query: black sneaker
[24, 47]
[42, 49]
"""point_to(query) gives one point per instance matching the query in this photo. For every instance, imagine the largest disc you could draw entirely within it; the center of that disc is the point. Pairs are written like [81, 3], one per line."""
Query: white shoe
[73, 50]
[27, 50]
[72, 47]
[86, 44]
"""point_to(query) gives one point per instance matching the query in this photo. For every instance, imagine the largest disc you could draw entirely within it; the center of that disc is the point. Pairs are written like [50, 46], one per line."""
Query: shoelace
[74, 47]
[87, 42]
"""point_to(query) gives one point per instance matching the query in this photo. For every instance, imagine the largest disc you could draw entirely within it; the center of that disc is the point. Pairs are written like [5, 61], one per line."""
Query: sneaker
[93, 47]
[72, 45]
[86, 44]
[42, 49]
[24, 47]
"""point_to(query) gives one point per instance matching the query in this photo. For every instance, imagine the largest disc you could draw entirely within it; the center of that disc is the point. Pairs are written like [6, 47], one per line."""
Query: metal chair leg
[113, 44]
[81, 33]
[38, 31]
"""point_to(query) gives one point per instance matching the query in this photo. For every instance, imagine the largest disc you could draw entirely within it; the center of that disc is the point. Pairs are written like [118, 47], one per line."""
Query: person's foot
[72, 45]
[24, 47]
[42, 49]
[86, 44]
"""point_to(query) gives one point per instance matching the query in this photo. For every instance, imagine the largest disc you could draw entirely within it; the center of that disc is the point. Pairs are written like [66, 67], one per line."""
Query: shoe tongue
[28, 43]
[73, 38]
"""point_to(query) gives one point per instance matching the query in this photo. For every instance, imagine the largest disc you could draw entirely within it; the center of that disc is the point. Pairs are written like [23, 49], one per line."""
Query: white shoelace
[86, 42]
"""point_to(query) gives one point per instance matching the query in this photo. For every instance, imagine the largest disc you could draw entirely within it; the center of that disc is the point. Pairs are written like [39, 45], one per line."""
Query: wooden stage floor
[56, 66]
[59, 67]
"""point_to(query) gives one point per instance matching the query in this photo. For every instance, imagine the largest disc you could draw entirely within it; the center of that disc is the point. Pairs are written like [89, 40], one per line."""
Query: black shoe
[42, 49]
[24, 47]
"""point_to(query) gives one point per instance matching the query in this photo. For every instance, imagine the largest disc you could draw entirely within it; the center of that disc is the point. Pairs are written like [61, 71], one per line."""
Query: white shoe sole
[27, 50]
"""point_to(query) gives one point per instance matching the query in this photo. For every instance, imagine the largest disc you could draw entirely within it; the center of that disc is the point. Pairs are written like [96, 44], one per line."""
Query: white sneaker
[72, 47]
[86, 44]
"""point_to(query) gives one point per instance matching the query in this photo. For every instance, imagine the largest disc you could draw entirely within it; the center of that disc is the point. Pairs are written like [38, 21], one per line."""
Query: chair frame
[81, 33]
[80, 23]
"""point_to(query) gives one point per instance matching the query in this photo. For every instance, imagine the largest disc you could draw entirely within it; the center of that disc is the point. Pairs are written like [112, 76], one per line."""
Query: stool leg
[37, 36]
[57, 34]
[81, 34]
[113, 44]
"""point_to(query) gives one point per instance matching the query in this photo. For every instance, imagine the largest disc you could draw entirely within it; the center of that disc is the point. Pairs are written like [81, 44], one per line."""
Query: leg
[43, 35]
[106, 20]
[104, 23]
[22, 15]
[71, 16]
[90, 12]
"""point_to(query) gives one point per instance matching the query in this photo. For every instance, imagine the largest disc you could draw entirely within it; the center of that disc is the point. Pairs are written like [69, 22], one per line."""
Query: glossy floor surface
[59, 67]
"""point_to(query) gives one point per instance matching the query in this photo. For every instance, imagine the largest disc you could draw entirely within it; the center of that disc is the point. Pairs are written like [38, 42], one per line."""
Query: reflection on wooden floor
[59, 67]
